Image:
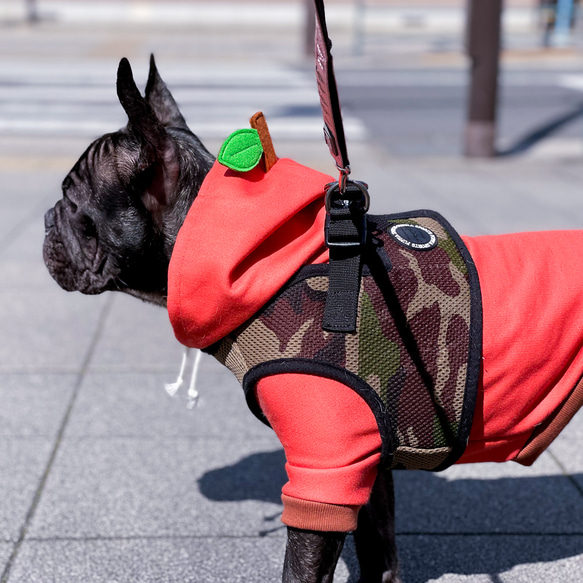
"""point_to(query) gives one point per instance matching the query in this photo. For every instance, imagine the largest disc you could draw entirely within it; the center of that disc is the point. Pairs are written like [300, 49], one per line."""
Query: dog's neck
[194, 166]
[156, 298]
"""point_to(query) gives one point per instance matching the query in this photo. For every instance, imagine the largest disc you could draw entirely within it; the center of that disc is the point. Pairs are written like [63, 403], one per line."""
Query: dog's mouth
[69, 262]
[72, 278]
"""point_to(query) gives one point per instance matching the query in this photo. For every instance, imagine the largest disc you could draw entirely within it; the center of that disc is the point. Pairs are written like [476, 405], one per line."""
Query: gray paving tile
[553, 200]
[10, 216]
[489, 498]
[23, 197]
[459, 199]
[20, 275]
[33, 405]
[535, 200]
[159, 488]
[254, 560]
[20, 185]
[569, 453]
[477, 201]
[483, 198]
[491, 559]
[5, 552]
[21, 263]
[568, 170]
[574, 429]
[448, 188]
[137, 337]
[391, 189]
[27, 242]
[455, 559]
[23, 463]
[46, 330]
[136, 405]
[184, 560]
[22, 191]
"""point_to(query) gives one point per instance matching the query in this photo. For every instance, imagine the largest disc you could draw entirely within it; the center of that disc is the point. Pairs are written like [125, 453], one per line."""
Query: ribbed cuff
[548, 431]
[320, 516]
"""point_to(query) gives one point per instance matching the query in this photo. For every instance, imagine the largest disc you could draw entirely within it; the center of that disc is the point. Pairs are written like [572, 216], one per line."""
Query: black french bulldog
[123, 204]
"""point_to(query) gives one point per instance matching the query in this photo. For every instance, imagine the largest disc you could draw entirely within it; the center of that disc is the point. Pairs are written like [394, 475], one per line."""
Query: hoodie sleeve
[332, 446]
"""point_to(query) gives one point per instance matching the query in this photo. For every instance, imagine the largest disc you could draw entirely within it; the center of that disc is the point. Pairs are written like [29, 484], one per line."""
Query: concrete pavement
[104, 478]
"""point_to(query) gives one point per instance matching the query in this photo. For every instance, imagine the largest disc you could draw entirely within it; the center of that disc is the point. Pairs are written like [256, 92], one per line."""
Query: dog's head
[126, 198]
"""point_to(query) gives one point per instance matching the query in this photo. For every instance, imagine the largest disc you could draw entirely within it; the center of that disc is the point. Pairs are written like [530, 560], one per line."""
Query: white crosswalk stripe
[78, 100]
[572, 82]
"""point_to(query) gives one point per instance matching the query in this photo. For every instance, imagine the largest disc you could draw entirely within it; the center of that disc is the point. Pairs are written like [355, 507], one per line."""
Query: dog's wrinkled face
[97, 230]
[126, 198]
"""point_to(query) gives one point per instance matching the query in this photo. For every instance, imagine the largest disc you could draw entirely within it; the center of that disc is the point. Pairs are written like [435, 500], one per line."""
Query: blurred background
[472, 108]
[403, 67]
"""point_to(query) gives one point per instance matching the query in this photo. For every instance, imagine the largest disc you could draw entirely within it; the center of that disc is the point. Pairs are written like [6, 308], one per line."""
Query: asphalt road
[422, 112]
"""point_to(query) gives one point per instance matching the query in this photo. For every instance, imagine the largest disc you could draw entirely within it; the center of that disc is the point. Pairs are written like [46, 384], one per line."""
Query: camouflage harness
[415, 356]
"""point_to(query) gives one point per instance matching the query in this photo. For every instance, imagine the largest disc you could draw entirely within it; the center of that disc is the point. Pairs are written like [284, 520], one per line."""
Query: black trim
[316, 270]
[474, 350]
[323, 270]
[326, 370]
[475, 347]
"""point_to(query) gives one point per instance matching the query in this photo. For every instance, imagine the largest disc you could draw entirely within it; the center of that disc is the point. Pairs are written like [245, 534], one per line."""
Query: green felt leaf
[241, 151]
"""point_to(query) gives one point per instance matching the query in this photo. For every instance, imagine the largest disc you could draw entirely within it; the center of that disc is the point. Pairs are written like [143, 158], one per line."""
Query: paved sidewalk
[105, 478]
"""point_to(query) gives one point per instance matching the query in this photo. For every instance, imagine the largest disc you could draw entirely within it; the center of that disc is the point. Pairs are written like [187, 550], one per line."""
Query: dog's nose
[49, 220]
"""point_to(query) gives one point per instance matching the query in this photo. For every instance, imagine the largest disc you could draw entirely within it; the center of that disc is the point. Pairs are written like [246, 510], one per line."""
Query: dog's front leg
[374, 536]
[311, 556]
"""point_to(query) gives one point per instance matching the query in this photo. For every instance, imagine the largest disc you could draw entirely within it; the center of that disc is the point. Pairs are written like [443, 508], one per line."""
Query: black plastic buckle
[356, 199]
[355, 192]
[346, 244]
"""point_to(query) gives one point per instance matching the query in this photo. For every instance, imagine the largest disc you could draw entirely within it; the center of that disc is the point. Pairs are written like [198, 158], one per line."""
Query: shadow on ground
[462, 526]
[541, 132]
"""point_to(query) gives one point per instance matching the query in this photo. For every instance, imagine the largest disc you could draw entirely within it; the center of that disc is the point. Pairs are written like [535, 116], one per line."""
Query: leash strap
[333, 128]
[346, 201]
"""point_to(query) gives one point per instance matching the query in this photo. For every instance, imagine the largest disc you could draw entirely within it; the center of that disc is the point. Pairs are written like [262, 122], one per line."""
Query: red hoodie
[244, 237]
[247, 234]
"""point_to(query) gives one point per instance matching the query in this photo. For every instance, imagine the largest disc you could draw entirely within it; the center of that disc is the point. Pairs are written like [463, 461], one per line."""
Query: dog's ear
[142, 119]
[160, 99]
[158, 152]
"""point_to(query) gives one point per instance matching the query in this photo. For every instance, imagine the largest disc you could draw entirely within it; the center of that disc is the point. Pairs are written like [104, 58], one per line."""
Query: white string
[192, 392]
[171, 388]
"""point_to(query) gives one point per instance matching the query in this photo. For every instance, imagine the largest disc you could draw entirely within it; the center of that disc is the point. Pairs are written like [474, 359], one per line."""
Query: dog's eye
[88, 227]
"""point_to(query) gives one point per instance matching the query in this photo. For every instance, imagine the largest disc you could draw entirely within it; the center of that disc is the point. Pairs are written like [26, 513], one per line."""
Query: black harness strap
[346, 202]
[346, 235]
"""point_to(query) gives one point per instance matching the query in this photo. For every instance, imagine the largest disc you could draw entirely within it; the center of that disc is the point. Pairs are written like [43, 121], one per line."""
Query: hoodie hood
[245, 236]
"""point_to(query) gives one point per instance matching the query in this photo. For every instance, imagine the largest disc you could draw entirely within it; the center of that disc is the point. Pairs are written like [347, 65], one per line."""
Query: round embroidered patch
[414, 236]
